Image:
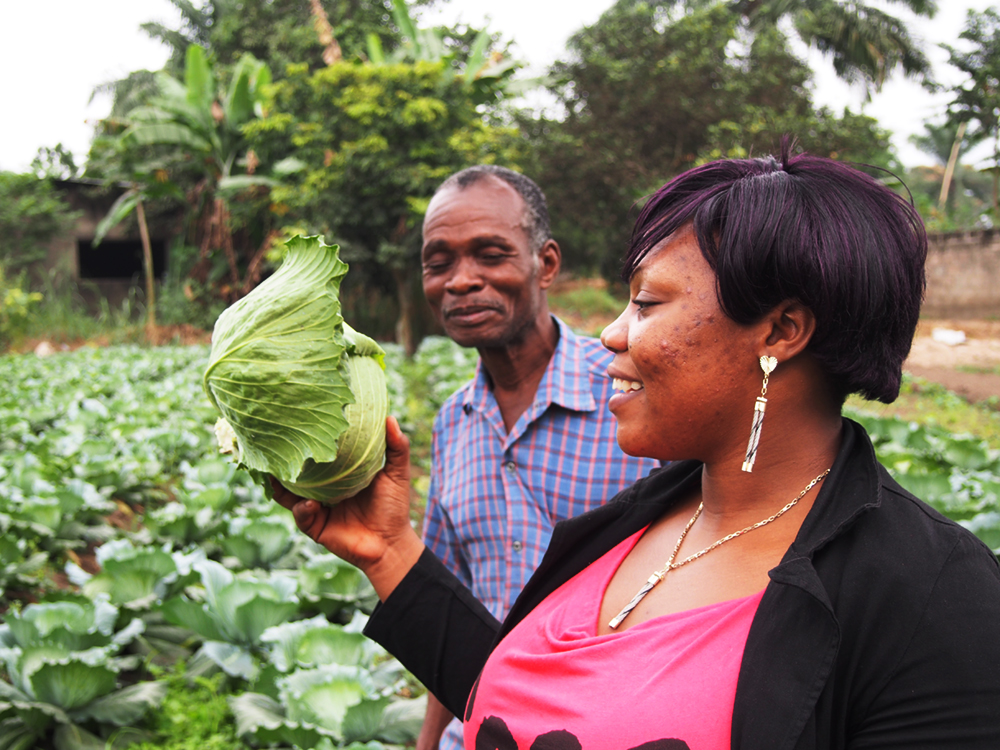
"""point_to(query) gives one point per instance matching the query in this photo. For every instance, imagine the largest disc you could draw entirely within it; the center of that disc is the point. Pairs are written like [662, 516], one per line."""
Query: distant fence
[963, 275]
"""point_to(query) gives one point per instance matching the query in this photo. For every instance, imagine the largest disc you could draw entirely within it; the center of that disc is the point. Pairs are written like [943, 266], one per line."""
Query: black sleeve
[945, 691]
[437, 629]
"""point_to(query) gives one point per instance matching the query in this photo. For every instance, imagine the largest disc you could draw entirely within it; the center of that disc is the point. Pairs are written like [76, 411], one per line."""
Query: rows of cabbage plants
[129, 547]
[131, 550]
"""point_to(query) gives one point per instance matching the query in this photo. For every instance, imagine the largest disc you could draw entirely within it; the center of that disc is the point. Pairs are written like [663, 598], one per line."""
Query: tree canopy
[646, 95]
[375, 141]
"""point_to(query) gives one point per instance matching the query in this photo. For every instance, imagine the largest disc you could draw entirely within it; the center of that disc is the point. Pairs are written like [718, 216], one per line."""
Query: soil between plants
[970, 369]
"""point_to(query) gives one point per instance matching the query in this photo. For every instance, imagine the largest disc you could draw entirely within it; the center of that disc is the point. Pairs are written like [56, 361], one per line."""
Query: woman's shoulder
[906, 560]
[923, 531]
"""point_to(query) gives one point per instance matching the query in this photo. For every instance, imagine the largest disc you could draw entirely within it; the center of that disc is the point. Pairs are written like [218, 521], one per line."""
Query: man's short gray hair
[536, 211]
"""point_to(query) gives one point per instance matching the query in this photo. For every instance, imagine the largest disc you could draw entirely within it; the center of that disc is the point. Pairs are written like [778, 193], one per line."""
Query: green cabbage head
[302, 395]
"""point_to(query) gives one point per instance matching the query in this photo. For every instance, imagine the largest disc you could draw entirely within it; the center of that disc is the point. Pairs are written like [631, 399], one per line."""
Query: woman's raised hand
[372, 529]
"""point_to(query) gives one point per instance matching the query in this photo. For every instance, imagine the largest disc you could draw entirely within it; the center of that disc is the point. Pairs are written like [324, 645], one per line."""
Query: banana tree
[141, 189]
[206, 124]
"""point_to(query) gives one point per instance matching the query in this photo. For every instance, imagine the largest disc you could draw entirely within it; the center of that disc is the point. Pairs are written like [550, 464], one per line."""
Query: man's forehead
[488, 205]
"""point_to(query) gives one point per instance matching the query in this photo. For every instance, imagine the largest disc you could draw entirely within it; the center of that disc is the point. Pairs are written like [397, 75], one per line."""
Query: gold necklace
[671, 565]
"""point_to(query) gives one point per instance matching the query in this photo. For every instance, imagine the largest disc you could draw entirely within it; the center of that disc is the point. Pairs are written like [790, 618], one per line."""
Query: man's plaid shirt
[495, 496]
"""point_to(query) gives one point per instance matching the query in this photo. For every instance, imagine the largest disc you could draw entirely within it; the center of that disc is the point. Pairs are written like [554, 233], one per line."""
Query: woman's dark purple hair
[813, 230]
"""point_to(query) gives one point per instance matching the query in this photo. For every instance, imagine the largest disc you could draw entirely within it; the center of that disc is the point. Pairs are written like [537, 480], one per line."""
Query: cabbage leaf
[303, 394]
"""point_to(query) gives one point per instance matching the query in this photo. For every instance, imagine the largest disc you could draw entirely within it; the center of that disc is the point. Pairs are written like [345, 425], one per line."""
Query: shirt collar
[566, 382]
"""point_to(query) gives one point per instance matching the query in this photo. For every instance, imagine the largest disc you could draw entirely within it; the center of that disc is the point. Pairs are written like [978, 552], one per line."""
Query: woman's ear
[789, 328]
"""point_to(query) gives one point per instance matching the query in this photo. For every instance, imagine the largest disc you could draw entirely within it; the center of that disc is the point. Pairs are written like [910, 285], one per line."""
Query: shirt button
[511, 467]
[517, 546]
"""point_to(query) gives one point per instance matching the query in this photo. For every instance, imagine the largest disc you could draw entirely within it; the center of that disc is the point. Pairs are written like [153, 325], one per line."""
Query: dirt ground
[961, 368]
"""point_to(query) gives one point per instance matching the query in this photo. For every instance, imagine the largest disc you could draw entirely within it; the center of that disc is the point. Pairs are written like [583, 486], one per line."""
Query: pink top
[665, 684]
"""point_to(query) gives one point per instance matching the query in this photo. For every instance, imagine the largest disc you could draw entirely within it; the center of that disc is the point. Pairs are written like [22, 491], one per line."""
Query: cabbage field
[136, 565]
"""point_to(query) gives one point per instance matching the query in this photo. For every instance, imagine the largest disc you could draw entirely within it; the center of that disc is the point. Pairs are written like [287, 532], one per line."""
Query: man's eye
[435, 266]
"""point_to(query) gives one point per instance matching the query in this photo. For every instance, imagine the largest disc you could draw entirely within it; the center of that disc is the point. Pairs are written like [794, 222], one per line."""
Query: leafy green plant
[260, 541]
[337, 688]
[54, 518]
[135, 578]
[232, 614]
[208, 490]
[63, 663]
[332, 586]
[19, 565]
[926, 402]
[194, 715]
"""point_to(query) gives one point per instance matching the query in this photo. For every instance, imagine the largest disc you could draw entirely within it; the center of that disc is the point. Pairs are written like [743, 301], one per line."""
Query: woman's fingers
[311, 517]
[282, 496]
[373, 514]
[397, 452]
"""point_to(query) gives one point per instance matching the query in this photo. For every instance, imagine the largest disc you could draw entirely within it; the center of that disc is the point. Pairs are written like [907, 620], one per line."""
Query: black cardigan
[880, 627]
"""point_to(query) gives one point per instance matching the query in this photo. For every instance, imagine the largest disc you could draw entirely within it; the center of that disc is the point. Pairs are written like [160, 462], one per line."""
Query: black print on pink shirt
[494, 735]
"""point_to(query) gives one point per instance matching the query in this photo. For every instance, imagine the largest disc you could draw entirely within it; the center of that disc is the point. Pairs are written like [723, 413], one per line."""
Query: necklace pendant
[646, 588]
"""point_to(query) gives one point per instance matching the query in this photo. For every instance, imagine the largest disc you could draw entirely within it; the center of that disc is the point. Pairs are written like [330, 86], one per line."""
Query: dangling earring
[767, 364]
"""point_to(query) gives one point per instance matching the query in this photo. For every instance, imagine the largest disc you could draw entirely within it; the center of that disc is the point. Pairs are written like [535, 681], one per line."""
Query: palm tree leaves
[865, 43]
[189, 115]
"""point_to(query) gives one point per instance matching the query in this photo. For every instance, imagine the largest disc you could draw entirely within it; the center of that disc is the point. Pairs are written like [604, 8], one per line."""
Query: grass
[980, 369]
[62, 317]
[587, 305]
[926, 402]
[587, 301]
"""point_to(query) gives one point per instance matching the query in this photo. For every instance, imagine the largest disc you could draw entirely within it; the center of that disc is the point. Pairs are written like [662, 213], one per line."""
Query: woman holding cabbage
[772, 588]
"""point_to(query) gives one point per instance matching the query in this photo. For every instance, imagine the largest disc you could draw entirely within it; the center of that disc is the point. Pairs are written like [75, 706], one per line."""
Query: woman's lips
[625, 391]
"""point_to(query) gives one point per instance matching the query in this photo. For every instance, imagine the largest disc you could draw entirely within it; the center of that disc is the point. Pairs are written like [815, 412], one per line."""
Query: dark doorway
[118, 259]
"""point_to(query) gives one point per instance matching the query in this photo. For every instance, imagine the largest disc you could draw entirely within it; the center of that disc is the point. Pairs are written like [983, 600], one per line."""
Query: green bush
[32, 213]
[15, 307]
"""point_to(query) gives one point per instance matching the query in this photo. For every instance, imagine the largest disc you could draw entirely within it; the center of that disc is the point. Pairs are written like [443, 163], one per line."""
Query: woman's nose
[615, 336]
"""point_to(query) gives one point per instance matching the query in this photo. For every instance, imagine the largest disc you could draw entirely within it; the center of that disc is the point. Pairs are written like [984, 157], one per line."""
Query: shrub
[15, 306]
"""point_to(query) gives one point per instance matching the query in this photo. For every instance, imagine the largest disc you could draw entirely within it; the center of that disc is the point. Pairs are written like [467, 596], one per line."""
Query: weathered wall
[963, 275]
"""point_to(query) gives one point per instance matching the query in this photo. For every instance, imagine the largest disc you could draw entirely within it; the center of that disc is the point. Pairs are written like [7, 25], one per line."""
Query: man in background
[529, 441]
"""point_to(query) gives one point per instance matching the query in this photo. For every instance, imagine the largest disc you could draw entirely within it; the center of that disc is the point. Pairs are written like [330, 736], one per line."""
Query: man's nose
[465, 277]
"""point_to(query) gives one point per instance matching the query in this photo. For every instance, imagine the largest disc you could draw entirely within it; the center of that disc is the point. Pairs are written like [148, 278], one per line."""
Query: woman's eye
[642, 304]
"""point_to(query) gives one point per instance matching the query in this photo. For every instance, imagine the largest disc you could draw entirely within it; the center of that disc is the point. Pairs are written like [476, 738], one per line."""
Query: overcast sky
[54, 52]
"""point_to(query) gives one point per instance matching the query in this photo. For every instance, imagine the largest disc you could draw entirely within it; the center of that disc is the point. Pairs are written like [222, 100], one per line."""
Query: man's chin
[475, 337]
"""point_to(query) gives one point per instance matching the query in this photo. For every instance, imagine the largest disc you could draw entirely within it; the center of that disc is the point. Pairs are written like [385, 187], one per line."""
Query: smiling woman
[809, 603]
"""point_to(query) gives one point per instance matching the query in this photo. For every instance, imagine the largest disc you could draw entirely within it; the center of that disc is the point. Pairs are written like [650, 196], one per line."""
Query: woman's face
[686, 375]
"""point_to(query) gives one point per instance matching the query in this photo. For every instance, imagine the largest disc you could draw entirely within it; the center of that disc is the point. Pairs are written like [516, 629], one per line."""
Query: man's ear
[788, 328]
[549, 263]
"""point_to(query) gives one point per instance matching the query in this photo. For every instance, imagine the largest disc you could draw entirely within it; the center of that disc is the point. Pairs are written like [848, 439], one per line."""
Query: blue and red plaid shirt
[495, 496]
